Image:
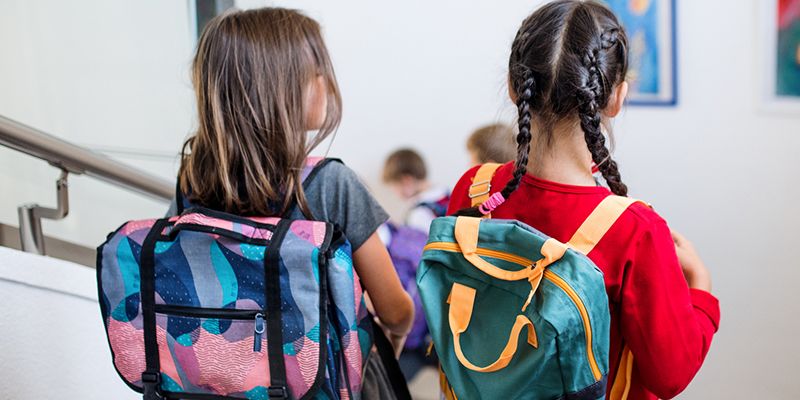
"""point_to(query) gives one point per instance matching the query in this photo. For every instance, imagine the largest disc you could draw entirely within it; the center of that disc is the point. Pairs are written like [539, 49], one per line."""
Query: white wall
[424, 73]
[54, 344]
[109, 74]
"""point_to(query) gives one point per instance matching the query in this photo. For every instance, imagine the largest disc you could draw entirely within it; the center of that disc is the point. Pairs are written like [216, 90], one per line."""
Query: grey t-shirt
[336, 195]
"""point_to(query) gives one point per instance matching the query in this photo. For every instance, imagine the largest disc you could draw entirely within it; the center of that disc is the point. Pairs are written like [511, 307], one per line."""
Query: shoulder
[460, 196]
[643, 214]
[639, 222]
[501, 176]
[335, 169]
[334, 175]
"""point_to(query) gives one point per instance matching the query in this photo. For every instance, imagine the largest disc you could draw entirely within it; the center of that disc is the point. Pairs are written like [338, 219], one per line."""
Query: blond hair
[493, 143]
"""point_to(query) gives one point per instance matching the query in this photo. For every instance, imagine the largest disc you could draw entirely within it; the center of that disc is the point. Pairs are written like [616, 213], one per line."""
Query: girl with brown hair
[266, 96]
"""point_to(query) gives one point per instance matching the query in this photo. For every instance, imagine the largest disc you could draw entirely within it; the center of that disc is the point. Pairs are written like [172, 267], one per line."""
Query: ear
[316, 103]
[617, 100]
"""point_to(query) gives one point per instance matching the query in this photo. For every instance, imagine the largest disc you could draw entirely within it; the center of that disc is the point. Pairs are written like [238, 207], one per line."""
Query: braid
[524, 99]
[524, 136]
[590, 94]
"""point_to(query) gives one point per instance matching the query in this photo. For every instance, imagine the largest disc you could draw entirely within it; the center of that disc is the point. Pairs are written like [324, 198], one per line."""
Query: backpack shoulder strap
[599, 222]
[584, 240]
[481, 186]
[310, 171]
[180, 199]
[312, 168]
[312, 164]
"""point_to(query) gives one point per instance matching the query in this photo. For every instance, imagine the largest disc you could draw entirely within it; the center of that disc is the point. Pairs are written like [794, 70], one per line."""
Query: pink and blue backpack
[208, 305]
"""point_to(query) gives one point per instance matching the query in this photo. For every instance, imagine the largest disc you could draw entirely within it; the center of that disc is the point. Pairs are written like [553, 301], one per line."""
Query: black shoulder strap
[151, 377]
[308, 177]
[393, 371]
[180, 200]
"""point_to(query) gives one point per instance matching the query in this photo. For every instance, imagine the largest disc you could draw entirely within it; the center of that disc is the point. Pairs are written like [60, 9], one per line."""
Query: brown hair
[493, 143]
[404, 162]
[251, 75]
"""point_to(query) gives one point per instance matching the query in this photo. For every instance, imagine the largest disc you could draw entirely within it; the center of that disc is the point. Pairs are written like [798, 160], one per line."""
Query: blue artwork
[788, 48]
[650, 27]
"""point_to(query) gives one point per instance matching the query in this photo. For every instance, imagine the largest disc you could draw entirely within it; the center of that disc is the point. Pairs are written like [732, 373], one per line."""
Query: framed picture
[202, 11]
[651, 29]
[780, 41]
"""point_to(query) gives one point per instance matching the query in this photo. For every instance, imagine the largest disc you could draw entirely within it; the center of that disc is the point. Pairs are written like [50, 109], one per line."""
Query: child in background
[405, 172]
[263, 79]
[567, 75]
[492, 144]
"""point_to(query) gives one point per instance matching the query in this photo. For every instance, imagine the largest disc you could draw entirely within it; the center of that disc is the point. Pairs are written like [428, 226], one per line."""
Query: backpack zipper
[550, 276]
[217, 313]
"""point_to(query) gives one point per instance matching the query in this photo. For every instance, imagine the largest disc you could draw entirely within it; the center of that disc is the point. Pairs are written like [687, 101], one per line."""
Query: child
[263, 79]
[405, 172]
[491, 144]
[567, 76]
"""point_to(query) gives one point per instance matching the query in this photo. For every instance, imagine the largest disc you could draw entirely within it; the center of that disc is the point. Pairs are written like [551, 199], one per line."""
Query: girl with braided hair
[567, 77]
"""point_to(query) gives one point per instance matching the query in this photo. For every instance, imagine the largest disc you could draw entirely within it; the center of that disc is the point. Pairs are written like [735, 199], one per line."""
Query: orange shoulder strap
[481, 186]
[584, 240]
[599, 222]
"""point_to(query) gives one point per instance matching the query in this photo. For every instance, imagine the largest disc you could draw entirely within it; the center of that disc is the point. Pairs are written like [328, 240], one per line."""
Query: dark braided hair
[565, 61]
[593, 95]
[524, 135]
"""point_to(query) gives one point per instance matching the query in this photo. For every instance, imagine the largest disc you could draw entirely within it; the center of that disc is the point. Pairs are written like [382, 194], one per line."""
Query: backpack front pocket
[212, 351]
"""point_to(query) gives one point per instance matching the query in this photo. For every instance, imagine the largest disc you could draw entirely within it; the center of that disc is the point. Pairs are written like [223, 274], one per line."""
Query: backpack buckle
[473, 190]
[277, 392]
[150, 385]
[151, 377]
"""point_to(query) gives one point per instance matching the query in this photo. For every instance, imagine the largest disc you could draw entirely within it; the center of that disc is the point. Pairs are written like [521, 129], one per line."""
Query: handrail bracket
[30, 217]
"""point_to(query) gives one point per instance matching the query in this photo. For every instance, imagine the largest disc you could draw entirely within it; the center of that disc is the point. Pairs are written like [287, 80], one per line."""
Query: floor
[425, 385]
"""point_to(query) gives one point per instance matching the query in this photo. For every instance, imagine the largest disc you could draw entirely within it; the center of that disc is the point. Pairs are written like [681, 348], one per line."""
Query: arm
[667, 326]
[339, 197]
[695, 271]
[392, 304]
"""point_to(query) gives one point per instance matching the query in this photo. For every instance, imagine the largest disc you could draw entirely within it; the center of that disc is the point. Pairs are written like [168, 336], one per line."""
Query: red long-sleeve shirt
[667, 325]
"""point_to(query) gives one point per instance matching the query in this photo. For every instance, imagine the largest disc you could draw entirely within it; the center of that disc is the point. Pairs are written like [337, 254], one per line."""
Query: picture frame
[202, 11]
[652, 49]
[776, 93]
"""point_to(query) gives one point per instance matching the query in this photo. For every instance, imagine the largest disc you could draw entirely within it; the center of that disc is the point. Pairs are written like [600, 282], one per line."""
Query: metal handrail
[74, 159]
[79, 160]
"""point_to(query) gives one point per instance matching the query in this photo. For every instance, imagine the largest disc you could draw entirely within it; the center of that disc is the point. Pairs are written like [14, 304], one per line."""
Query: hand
[695, 272]
[397, 341]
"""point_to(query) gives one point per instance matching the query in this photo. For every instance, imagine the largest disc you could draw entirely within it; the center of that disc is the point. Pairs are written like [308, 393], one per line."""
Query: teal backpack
[513, 313]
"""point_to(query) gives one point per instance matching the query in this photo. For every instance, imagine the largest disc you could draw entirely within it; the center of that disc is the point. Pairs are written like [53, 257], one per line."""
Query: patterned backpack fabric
[513, 313]
[208, 305]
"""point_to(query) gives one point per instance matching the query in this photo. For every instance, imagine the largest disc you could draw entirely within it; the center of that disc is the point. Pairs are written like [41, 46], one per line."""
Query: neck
[564, 159]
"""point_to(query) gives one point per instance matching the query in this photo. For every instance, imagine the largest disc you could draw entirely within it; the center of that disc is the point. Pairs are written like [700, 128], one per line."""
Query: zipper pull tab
[259, 330]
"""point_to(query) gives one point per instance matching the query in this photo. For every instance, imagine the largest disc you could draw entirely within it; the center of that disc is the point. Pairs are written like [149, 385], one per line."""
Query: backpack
[513, 313]
[405, 249]
[438, 207]
[209, 305]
